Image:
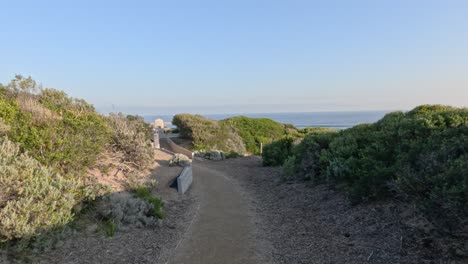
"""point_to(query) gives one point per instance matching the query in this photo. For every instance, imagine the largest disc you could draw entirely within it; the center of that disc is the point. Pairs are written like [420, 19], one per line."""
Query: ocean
[335, 120]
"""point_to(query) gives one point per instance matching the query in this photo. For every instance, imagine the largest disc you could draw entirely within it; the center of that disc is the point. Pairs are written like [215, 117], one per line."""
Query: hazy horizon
[151, 57]
[255, 109]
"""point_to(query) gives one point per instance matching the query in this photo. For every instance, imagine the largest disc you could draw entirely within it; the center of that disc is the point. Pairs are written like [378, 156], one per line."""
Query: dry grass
[40, 114]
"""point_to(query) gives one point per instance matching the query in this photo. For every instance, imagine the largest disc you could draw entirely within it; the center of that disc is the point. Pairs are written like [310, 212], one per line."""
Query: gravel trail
[223, 230]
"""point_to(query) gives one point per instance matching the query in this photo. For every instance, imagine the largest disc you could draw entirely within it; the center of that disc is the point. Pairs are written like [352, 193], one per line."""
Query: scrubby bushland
[139, 208]
[157, 204]
[234, 136]
[315, 130]
[209, 134]
[131, 135]
[254, 131]
[56, 130]
[276, 153]
[48, 142]
[33, 198]
[126, 209]
[420, 156]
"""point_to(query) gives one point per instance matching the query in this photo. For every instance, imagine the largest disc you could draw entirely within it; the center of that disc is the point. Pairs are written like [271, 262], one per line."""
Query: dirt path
[222, 231]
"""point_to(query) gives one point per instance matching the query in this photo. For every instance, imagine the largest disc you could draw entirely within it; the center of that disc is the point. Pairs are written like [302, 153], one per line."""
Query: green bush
[70, 143]
[157, 204]
[315, 130]
[33, 198]
[209, 134]
[53, 140]
[254, 131]
[421, 155]
[310, 163]
[234, 136]
[275, 153]
[289, 168]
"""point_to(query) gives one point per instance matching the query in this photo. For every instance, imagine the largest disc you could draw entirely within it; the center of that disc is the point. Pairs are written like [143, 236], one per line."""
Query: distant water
[336, 120]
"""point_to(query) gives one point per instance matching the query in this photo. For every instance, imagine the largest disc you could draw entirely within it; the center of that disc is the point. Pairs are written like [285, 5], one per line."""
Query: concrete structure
[158, 123]
[168, 144]
[185, 179]
[156, 139]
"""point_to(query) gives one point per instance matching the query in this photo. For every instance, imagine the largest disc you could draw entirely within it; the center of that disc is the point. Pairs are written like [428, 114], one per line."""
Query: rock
[217, 155]
[213, 154]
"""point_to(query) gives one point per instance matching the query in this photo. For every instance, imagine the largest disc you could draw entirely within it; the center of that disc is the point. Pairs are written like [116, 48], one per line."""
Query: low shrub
[275, 153]
[70, 140]
[130, 136]
[289, 169]
[420, 156]
[110, 227]
[254, 131]
[53, 139]
[125, 209]
[209, 134]
[157, 204]
[180, 160]
[33, 198]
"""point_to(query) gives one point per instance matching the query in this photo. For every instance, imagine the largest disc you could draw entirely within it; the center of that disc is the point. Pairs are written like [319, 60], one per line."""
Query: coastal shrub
[125, 209]
[209, 134]
[145, 194]
[141, 126]
[179, 160]
[254, 131]
[311, 162]
[234, 136]
[52, 140]
[56, 135]
[140, 208]
[30, 105]
[420, 156]
[275, 153]
[289, 168]
[33, 198]
[130, 136]
[315, 130]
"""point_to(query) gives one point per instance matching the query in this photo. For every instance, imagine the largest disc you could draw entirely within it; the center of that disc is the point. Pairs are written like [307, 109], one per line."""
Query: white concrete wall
[185, 179]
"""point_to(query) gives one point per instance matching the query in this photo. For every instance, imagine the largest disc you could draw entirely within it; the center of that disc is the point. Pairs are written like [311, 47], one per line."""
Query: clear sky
[164, 57]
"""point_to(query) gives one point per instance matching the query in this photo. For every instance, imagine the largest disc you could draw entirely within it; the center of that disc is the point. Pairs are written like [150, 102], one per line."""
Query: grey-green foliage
[125, 209]
[20, 83]
[33, 198]
[180, 159]
[129, 135]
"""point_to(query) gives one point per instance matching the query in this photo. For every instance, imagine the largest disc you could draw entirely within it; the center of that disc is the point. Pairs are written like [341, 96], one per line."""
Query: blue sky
[164, 57]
